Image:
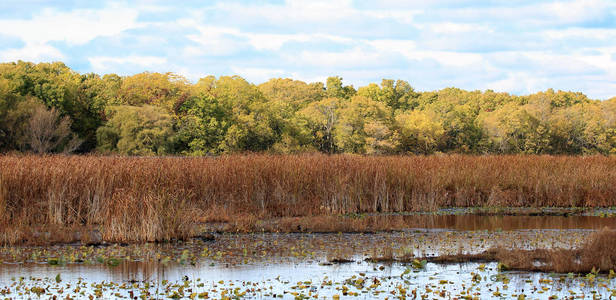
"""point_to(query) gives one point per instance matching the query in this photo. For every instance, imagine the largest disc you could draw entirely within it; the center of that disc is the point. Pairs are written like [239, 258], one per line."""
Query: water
[468, 222]
[261, 281]
[295, 265]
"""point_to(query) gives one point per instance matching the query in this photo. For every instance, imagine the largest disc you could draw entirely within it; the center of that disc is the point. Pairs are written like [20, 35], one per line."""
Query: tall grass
[144, 199]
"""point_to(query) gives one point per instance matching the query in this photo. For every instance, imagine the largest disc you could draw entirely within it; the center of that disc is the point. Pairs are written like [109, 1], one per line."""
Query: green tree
[203, 125]
[335, 89]
[518, 129]
[321, 118]
[8, 124]
[350, 133]
[251, 124]
[458, 110]
[58, 87]
[398, 95]
[15, 113]
[505, 128]
[166, 90]
[137, 130]
[419, 132]
[297, 94]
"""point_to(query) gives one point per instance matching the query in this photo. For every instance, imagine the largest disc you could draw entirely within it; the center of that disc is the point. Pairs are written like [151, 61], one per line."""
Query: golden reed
[158, 198]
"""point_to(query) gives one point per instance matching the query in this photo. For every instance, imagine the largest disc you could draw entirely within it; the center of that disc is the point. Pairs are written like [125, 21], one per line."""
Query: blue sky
[516, 46]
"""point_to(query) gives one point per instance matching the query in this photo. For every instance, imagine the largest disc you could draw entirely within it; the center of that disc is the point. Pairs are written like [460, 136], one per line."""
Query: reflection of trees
[138, 271]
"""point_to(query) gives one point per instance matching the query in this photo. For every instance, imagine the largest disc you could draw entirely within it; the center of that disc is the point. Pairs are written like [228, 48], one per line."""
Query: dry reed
[595, 255]
[158, 198]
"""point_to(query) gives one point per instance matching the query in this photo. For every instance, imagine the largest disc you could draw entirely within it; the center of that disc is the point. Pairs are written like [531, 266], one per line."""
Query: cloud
[258, 75]
[32, 52]
[527, 15]
[104, 64]
[518, 46]
[74, 27]
[215, 41]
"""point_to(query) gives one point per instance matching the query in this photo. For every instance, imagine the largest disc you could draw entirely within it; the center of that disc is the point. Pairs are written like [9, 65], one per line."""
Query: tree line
[49, 108]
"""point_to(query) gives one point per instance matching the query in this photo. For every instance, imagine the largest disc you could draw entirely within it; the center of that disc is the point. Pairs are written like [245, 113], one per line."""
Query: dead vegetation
[134, 199]
[595, 255]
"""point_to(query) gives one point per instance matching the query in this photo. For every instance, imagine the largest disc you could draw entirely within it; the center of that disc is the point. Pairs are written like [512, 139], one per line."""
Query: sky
[515, 46]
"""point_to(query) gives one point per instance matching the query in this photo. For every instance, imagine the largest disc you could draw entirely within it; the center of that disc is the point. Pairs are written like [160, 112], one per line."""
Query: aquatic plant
[133, 199]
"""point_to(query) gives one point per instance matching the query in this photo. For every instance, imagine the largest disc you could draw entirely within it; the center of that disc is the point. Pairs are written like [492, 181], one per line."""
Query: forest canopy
[49, 108]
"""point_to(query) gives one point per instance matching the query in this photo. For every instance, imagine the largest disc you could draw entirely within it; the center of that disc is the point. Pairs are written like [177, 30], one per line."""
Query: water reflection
[366, 280]
[475, 222]
[269, 265]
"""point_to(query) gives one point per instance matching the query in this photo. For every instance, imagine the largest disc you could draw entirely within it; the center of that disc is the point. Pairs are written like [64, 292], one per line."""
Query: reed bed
[160, 198]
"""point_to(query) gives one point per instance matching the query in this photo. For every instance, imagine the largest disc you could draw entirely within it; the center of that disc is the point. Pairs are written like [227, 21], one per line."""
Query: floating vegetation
[246, 248]
[368, 280]
[441, 260]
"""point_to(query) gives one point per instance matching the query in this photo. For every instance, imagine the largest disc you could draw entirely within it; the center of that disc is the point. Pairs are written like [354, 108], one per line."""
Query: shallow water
[469, 222]
[290, 280]
[295, 265]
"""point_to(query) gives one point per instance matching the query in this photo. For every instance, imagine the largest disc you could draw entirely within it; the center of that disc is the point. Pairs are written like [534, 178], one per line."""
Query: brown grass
[597, 254]
[147, 199]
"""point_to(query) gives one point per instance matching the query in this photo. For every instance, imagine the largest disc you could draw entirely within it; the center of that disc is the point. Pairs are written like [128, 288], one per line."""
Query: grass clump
[594, 256]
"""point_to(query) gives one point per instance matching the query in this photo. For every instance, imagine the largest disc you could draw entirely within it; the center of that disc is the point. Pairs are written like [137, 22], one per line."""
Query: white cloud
[75, 27]
[32, 52]
[258, 75]
[457, 28]
[292, 10]
[214, 41]
[605, 34]
[274, 41]
[315, 16]
[401, 16]
[514, 46]
[356, 57]
[104, 64]
[411, 51]
[534, 14]
[576, 11]
[518, 82]
[221, 41]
